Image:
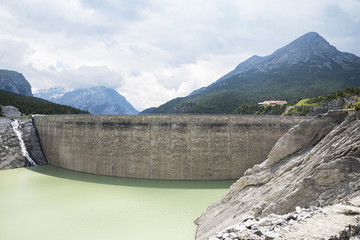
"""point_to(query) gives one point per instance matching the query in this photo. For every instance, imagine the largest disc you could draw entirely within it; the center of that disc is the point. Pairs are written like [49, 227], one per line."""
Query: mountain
[15, 82]
[32, 105]
[307, 67]
[147, 111]
[96, 100]
[51, 94]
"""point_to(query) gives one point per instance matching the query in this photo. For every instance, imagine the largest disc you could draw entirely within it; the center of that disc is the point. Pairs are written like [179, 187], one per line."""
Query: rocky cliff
[315, 164]
[10, 150]
[15, 82]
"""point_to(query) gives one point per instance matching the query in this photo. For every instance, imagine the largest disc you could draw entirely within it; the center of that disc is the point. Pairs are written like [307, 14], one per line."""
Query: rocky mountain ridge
[96, 100]
[15, 82]
[311, 48]
[317, 163]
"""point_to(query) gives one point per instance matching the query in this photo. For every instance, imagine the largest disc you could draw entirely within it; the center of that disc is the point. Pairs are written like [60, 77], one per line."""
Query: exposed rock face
[32, 142]
[10, 151]
[10, 111]
[15, 82]
[307, 133]
[335, 222]
[316, 163]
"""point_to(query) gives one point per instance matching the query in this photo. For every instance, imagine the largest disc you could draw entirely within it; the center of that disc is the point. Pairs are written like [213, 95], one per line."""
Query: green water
[47, 202]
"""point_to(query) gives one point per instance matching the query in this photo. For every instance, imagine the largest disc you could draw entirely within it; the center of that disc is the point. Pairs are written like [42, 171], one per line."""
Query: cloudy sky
[152, 51]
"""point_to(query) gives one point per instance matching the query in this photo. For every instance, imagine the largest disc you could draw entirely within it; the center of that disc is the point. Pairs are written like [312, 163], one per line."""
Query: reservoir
[47, 202]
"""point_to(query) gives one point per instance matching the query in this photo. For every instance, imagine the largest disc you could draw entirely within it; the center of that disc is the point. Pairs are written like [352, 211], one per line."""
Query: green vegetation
[355, 106]
[256, 109]
[31, 105]
[305, 103]
[286, 83]
[304, 106]
[297, 111]
[349, 91]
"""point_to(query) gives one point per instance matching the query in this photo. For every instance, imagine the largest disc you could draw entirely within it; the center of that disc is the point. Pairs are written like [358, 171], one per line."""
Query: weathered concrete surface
[319, 173]
[161, 147]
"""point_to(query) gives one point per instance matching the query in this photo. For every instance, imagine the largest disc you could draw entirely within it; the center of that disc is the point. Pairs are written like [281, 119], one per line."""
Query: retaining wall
[193, 147]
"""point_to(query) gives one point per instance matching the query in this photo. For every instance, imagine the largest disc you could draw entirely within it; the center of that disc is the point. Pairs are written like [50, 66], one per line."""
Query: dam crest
[173, 147]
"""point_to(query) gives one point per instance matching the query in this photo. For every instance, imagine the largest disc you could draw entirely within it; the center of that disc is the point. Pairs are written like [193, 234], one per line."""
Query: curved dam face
[193, 147]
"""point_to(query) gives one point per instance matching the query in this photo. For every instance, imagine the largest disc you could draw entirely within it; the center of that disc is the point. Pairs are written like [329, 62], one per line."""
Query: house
[272, 103]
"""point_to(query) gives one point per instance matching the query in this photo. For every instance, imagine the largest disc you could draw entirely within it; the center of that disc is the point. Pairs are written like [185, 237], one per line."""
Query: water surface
[47, 202]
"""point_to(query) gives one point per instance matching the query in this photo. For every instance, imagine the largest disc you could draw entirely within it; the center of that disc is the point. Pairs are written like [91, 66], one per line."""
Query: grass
[353, 106]
[304, 103]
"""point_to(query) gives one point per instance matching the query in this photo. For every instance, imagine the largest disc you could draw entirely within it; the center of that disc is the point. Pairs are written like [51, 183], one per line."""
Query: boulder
[305, 134]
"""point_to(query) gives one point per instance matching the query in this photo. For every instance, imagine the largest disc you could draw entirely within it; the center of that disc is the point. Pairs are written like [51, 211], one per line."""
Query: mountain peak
[310, 36]
[309, 48]
[309, 45]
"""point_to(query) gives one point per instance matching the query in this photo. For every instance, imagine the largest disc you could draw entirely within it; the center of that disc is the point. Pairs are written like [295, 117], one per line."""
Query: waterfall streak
[15, 125]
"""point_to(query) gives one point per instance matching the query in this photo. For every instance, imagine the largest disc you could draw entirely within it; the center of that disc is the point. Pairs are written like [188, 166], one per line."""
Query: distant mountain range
[33, 105]
[307, 67]
[96, 100]
[15, 91]
[15, 82]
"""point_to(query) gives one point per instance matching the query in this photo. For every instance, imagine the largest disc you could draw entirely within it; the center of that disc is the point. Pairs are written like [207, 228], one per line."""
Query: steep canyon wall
[190, 147]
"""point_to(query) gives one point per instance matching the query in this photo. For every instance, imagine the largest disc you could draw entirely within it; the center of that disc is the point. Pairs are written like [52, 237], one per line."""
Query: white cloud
[153, 51]
[13, 52]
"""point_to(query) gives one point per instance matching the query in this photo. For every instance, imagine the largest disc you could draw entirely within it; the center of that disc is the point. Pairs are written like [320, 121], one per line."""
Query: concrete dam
[173, 147]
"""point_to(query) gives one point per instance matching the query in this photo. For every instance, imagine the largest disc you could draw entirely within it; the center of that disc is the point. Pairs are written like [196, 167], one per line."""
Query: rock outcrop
[15, 82]
[10, 112]
[324, 107]
[335, 222]
[317, 163]
[32, 142]
[10, 150]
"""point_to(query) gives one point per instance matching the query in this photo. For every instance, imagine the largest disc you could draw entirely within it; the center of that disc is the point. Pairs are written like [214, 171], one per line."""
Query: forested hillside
[31, 105]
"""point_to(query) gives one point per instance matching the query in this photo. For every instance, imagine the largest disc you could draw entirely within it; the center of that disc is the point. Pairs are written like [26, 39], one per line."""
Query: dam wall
[178, 147]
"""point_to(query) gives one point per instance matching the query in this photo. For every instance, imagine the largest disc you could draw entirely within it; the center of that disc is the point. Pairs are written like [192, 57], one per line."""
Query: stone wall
[182, 147]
